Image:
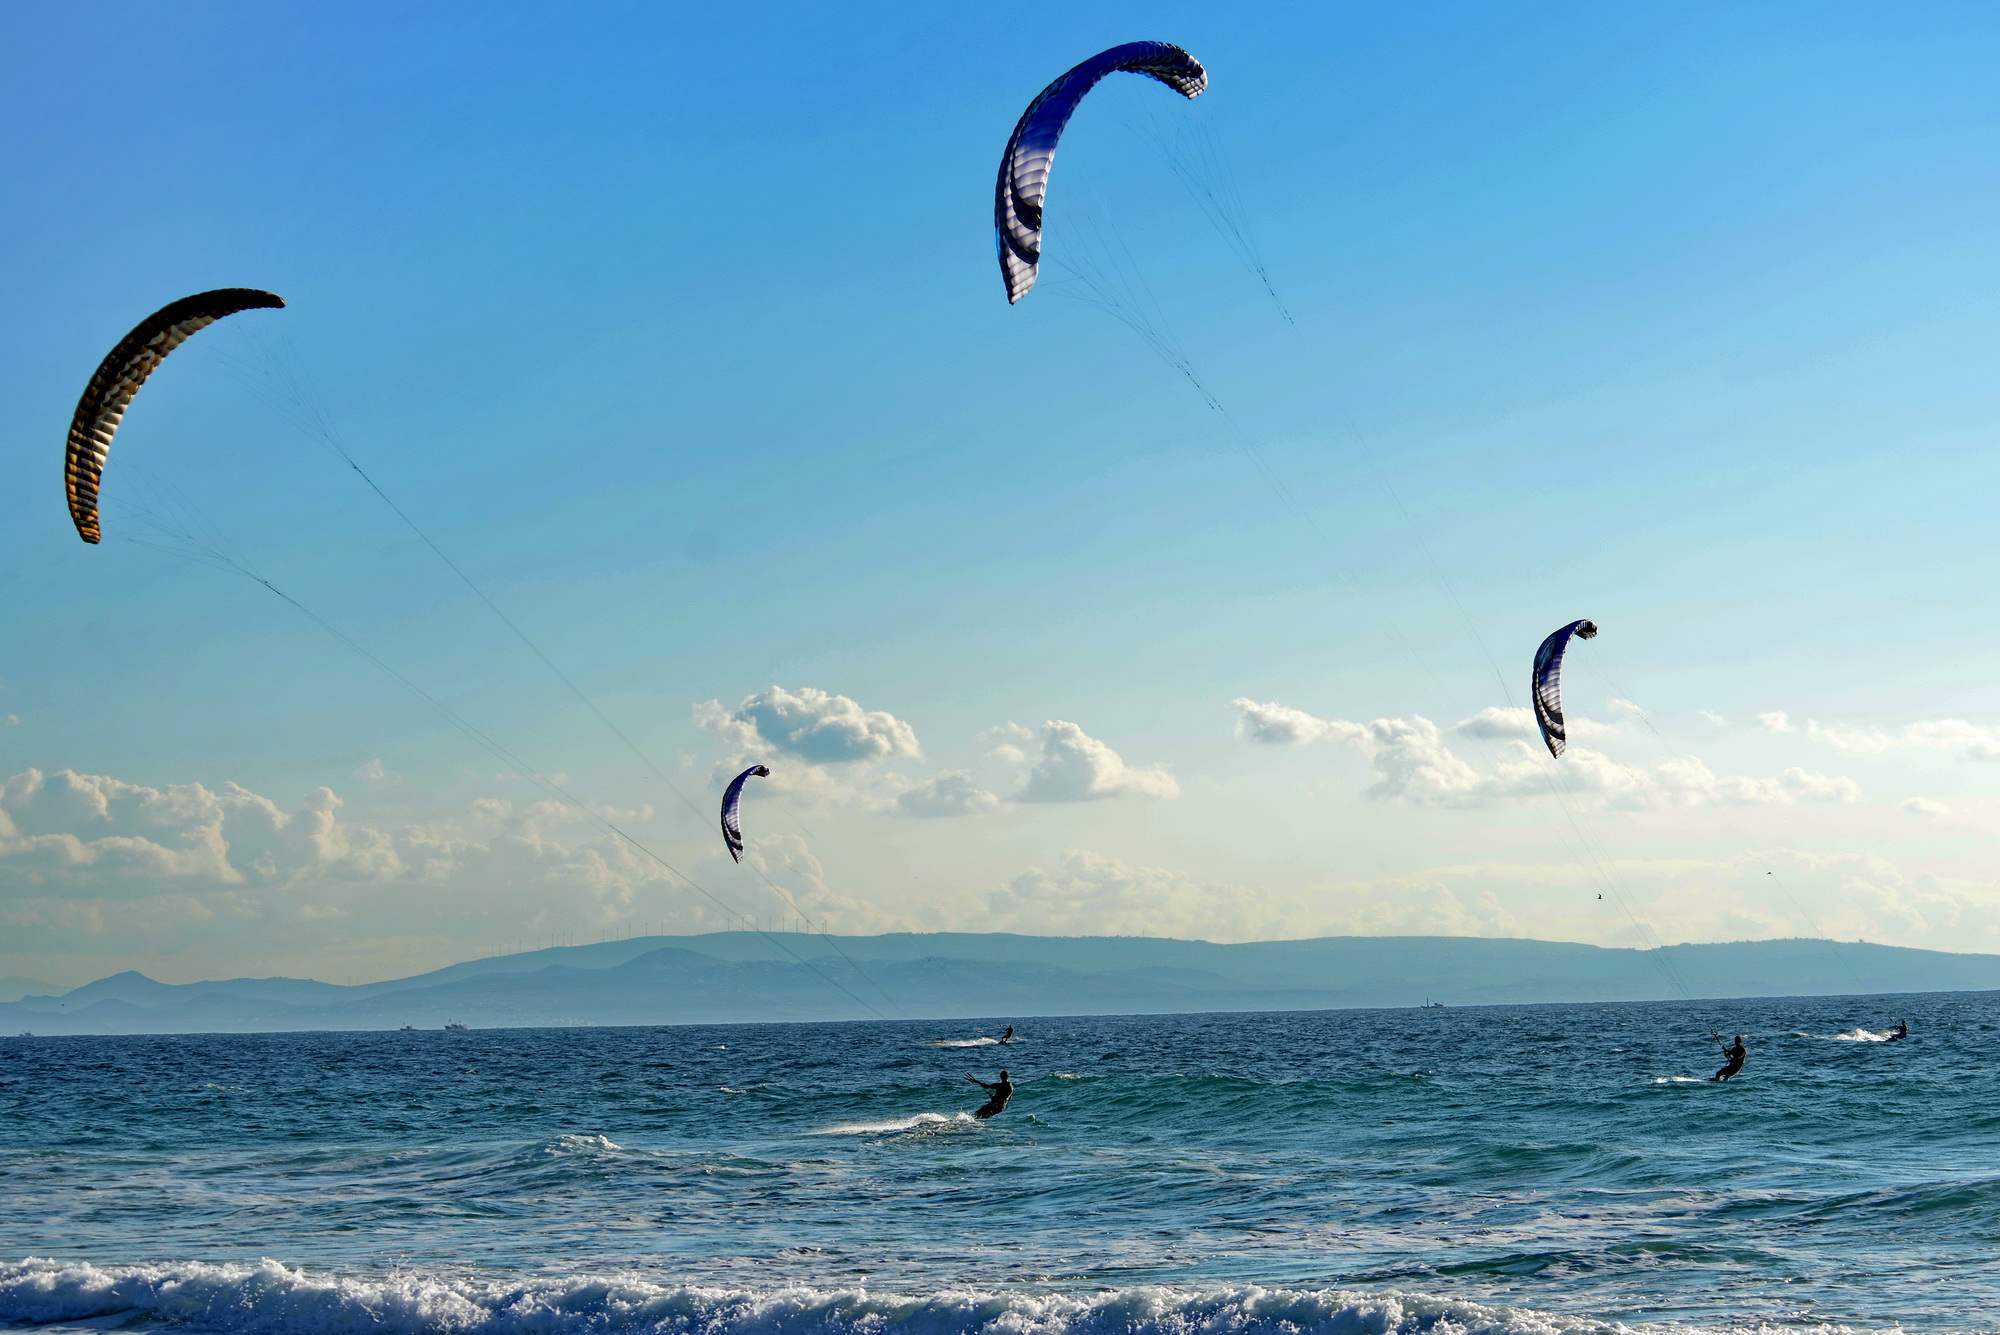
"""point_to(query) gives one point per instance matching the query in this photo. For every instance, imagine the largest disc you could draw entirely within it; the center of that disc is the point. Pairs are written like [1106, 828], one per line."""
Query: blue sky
[680, 330]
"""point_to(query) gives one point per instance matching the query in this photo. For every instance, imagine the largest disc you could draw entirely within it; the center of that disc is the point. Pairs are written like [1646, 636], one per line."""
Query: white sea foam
[274, 1299]
[1680, 1079]
[921, 1122]
[963, 1043]
[1860, 1035]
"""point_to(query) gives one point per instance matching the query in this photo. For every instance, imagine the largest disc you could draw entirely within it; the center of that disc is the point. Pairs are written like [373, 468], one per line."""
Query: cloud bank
[1412, 762]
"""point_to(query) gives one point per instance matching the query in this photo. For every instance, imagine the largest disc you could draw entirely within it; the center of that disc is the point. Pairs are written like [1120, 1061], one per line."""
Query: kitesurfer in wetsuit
[1008, 1037]
[1902, 1032]
[1002, 1091]
[1735, 1054]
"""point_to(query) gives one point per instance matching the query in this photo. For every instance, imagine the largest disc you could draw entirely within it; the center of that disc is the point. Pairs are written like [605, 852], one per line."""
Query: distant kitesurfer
[1003, 1090]
[1735, 1054]
[1008, 1037]
[1902, 1032]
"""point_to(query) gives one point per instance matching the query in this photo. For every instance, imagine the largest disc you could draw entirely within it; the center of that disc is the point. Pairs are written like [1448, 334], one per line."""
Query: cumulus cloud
[379, 774]
[1854, 741]
[1003, 742]
[1711, 716]
[791, 864]
[1776, 721]
[1923, 806]
[1496, 724]
[1075, 767]
[1972, 741]
[69, 826]
[91, 856]
[951, 793]
[810, 724]
[1281, 725]
[1864, 896]
[1412, 762]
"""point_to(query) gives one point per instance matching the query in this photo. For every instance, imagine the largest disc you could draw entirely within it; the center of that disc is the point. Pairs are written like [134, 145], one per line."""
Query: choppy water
[1530, 1169]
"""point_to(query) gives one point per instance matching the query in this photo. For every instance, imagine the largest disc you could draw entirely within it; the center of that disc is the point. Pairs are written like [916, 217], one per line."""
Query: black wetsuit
[1008, 1037]
[996, 1104]
[1902, 1032]
[1736, 1057]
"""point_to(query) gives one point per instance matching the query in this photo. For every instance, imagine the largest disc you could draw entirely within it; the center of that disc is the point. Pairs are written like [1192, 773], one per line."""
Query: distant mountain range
[734, 977]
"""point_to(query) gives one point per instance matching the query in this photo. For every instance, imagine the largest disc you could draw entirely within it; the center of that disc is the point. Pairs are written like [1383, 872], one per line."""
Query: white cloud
[1001, 743]
[951, 793]
[1923, 806]
[1972, 741]
[1076, 767]
[1496, 724]
[1776, 721]
[12, 720]
[84, 827]
[379, 774]
[1412, 762]
[791, 864]
[95, 856]
[1281, 725]
[1854, 741]
[1713, 717]
[811, 725]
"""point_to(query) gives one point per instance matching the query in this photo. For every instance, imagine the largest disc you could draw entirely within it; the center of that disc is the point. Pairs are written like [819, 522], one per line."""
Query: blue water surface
[1539, 1167]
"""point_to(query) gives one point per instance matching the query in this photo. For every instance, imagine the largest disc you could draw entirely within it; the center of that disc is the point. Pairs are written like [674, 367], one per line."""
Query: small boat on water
[407, 1029]
[1430, 1005]
[455, 1026]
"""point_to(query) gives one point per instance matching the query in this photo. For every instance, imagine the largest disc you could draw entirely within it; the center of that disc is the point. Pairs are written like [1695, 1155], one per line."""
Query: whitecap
[270, 1298]
[963, 1043]
[921, 1122]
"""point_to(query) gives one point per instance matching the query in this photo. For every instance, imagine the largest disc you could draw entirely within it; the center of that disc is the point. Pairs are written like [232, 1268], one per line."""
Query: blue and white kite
[1024, 171]
[732, 798]
[1547, 684]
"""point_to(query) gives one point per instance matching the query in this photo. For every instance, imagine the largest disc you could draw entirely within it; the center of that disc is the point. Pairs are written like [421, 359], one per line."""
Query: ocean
[1494, 1169]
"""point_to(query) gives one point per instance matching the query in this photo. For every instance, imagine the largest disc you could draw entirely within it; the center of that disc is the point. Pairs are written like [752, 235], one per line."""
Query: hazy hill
[747, 976]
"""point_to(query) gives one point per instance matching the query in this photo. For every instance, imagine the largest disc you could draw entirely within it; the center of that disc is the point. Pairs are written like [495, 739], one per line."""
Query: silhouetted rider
[1735, 1055]
[1003, 1090]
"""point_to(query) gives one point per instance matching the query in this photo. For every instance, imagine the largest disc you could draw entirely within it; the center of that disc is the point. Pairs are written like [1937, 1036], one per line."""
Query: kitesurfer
[1736, 1056]
[1003, 1089]
[1008, 1037]
[1902, 1032]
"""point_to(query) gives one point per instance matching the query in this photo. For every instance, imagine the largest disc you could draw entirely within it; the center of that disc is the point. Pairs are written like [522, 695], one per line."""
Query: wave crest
[273, 1299]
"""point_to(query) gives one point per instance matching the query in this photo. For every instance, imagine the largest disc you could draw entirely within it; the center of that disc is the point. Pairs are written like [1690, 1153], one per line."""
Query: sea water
[1504, 1169]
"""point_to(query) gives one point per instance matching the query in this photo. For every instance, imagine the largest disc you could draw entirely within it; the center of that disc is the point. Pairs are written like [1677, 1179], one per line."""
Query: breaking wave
[274, 1299]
